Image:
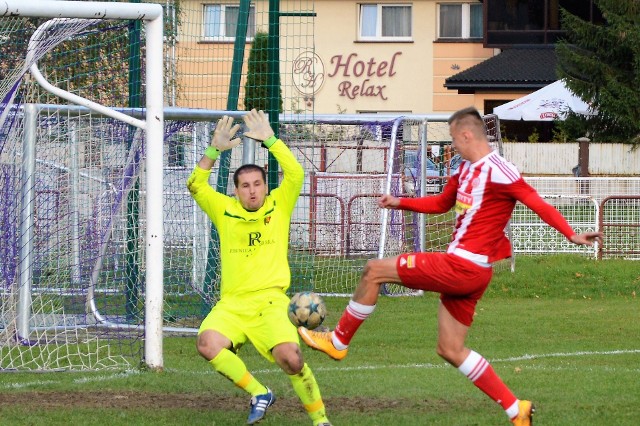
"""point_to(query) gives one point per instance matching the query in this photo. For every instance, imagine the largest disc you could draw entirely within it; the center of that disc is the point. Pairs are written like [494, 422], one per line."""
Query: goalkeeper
[254, 239]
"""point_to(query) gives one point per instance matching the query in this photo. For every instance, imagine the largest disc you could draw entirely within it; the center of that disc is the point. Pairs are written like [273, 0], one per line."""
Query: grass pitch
[562, 330]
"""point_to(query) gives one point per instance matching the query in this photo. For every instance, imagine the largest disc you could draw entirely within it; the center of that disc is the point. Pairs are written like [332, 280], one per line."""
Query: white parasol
[552, 102]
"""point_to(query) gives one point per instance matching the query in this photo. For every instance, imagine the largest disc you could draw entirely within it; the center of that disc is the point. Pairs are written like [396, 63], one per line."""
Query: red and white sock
[514, 410]
[479, 371]
[351, 319]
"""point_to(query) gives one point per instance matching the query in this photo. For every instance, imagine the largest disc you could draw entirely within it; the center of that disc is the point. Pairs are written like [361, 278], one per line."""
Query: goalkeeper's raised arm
[260, 130]
[221, 141]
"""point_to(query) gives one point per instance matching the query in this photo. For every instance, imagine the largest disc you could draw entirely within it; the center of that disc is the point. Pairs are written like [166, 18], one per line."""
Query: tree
[256, 88]
[601, 64]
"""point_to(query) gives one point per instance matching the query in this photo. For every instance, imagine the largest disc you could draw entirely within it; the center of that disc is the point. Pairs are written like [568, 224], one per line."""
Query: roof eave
[492, 86]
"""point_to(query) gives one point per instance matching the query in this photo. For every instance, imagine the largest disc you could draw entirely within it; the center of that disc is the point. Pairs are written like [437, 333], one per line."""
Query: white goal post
[153, 126]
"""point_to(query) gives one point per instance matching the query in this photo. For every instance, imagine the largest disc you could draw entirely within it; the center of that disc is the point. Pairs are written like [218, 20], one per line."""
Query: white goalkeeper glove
[223, 133]
[259, 127]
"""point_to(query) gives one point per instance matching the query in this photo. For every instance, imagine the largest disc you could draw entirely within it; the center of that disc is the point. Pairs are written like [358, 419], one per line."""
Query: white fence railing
[549, 158]
[597, 187]
[581, 200]
[531, 235]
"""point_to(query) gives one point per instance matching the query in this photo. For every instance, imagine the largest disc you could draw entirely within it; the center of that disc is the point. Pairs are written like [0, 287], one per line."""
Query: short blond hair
[469, 118]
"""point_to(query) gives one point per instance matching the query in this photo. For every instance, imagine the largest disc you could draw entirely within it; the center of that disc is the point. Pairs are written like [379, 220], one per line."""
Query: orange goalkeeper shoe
[525, 415]
[321, 341]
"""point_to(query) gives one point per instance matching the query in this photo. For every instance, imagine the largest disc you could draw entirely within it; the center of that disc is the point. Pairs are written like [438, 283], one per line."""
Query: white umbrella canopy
[552, 102]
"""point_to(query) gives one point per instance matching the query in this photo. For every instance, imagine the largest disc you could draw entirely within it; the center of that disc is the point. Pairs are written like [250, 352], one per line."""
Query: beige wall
[404, 88]
[450, 59]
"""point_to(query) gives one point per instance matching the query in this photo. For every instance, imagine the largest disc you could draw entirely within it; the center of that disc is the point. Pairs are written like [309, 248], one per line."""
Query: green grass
[562, 330]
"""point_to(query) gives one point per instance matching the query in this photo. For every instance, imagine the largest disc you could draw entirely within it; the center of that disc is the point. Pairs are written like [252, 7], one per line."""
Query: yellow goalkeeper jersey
[253, 245]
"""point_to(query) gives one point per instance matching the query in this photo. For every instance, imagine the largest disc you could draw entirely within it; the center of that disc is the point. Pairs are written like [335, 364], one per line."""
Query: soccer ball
[307, 309]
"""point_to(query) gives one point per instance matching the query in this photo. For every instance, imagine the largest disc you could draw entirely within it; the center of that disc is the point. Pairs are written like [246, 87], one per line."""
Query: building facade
[344, 56]
[348, 57]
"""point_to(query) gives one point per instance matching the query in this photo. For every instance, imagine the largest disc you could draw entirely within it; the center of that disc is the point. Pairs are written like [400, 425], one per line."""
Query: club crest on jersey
[409, 261]
[267, 220]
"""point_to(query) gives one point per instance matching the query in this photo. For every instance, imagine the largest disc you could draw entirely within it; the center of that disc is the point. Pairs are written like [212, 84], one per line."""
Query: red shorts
[460, 282]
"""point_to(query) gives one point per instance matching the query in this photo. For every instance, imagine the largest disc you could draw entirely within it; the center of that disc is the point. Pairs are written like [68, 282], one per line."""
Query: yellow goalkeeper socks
[231, 366]
[305, 385]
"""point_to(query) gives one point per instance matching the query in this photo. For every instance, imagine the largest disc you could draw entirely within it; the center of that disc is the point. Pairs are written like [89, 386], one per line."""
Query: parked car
[454, 163]
[435, 173]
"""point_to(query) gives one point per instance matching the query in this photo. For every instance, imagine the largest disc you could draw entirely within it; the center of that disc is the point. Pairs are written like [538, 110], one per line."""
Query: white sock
[357, 310]
[337, 343]
[360, 310]
[514, 410]
[473, 366]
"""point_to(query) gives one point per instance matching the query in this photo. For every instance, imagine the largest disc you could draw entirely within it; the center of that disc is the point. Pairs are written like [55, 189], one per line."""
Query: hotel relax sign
[358, 77]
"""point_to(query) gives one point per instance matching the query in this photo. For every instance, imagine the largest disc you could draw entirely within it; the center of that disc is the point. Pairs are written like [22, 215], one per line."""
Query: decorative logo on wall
[308, 75]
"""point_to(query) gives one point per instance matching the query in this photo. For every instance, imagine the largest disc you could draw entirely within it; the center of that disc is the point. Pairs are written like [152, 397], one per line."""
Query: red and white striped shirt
[484, 195]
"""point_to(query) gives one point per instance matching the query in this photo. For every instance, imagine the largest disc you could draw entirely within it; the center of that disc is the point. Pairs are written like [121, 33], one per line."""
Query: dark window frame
[508, 23]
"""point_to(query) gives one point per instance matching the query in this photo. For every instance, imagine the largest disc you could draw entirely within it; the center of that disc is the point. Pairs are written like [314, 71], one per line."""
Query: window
[385, 22]
[524, 22]
[221, 20]
[462, 20]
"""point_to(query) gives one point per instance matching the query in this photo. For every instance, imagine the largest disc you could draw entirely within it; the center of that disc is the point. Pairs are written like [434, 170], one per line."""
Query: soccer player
[483, 191]
[254, 239]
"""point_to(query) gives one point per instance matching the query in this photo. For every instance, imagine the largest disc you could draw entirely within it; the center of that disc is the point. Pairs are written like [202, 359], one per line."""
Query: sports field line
[526, 357]
[79, 380]
[568, 355]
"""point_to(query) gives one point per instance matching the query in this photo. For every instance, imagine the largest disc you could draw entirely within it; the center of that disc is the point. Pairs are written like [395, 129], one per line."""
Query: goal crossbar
[152, 16]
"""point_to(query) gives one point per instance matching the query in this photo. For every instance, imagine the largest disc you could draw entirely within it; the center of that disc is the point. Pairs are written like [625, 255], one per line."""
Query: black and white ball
[307, 309]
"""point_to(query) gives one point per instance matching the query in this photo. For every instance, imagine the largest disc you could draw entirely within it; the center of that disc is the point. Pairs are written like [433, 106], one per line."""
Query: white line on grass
[582, 369]
[568, 355]
[525, 357]
[80, 380]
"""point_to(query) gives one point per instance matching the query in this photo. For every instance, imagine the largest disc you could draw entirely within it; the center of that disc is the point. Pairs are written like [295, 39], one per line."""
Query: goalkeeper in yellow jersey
[254, 239]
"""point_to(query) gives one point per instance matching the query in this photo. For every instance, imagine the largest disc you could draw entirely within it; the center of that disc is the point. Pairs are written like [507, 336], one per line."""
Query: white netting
[24, 45]
[64, 203]
[337, 224]
[79, 295]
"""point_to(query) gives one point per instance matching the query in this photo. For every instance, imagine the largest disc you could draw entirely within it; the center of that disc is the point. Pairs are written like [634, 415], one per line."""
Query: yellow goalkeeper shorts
[262, 319]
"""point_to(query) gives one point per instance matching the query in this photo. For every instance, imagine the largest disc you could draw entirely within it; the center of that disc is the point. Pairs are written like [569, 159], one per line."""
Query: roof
[513, 69]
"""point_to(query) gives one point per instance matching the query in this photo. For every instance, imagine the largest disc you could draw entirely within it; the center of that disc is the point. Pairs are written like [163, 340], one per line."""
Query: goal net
[71, 252]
